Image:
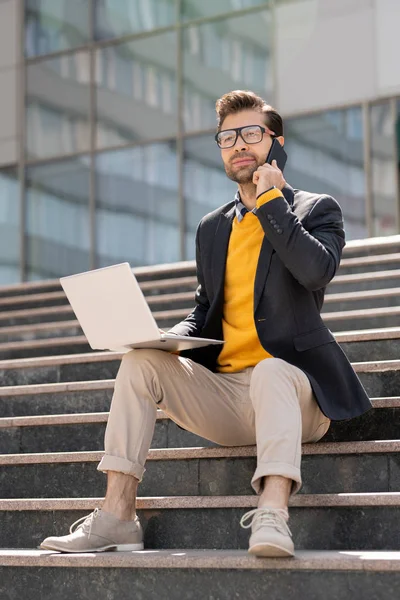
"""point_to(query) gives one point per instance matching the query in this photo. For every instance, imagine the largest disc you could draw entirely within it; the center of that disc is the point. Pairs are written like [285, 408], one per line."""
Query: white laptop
[114, 315]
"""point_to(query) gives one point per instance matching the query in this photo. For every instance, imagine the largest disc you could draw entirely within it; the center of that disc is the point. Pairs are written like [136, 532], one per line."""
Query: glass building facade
[108, 116]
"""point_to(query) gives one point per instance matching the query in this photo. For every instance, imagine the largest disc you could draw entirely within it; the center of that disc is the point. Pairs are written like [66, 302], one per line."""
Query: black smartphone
[277, 153]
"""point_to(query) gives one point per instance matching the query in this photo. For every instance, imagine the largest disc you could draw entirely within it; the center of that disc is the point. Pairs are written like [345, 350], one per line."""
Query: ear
[281, 140]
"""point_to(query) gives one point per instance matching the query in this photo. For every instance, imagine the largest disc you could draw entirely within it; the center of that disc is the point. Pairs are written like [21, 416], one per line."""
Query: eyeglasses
[250, 134]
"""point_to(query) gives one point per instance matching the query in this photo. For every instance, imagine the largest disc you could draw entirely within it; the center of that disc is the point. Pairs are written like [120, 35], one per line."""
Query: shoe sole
[111, 548]
[270, 551]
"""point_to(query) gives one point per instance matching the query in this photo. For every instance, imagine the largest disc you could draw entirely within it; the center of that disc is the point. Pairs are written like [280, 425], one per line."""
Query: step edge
[388, 499]
[205, 453]
[50, 420]
[363, 560]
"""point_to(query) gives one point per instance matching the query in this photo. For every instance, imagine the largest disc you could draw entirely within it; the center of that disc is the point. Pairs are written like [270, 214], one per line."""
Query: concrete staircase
[54, 400]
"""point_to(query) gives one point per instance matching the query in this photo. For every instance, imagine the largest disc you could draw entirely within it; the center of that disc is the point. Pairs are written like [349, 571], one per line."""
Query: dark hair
[238, 100]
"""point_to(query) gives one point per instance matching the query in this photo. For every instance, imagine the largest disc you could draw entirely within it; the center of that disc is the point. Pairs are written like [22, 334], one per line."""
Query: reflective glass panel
[53, 25]
[57, 218]
[225, 55]
[397, 134]
[384, 187]
[114, 18]
[206, 185]
[325, 155]
[195, 9]
[137, 214]
[57, 106]
[136, 90]
[9, 226]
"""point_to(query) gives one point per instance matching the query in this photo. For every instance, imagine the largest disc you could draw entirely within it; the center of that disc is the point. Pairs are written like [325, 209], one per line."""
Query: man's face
[243, 159]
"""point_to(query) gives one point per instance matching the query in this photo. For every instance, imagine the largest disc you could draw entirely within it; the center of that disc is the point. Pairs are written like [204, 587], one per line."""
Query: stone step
[16, 326]
[30, 287]
[364, 281]
[367, 299]
[362, 319]
[360, 264]
[65, 313]
[75, 398]
[157, 293]
[370, 344]
[143, 274]
[372, 246]
[377, 344]
[182, 285]
[77, 432]
[327, 467]
[44, 347]
[319, 522]
[355, 248]
[199, 573]
[56, 398]
[376, 375]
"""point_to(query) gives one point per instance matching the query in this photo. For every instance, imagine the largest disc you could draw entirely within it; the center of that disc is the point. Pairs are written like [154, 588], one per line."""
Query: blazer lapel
[220, 249]
[263, 265]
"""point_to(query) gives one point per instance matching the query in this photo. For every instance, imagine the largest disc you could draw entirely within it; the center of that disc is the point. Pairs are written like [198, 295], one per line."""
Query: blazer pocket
[312, 339]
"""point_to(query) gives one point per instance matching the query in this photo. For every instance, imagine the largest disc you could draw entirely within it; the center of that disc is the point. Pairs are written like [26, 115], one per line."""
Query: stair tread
[361, 313]
[181, 313]
[341, 336]
[11, 300]
[362, 295]
[363, 560]
[102, 417]
[367, 276]
[102, 356]
[320, 448]
[206, 502]
[167, 297]
[370, 260]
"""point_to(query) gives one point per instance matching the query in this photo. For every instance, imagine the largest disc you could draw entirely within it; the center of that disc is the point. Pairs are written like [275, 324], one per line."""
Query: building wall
[107, 119]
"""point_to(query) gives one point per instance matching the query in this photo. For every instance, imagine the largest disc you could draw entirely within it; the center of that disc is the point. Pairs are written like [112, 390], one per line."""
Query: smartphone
[277, 153]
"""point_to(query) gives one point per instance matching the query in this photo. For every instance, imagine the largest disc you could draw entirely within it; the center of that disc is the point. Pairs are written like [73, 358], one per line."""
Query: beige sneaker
[98, 532]
[270, 535]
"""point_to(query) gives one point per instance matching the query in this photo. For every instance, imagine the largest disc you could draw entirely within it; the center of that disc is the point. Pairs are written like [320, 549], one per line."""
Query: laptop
[114, 314]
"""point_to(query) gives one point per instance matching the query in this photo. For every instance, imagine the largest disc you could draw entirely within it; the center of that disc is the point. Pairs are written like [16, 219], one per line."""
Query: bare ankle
[120, 499]
[276, 492]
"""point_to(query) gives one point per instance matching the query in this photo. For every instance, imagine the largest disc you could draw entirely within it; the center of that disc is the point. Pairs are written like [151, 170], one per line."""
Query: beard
[244, 174]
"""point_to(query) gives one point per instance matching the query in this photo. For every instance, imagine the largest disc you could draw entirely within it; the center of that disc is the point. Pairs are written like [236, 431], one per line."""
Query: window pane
[57, 110]
[52, 25]
[398, 153]
[193, 9]
[125, 17]
[9, 226]
[136, 94]
[384, 192]
[222, 56]
[137, 213]
[57, 219]
[206, 185]
[325, 155]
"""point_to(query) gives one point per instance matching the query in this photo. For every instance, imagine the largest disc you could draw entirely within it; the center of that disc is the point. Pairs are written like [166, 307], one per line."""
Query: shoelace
[267, 516]
[87, 520]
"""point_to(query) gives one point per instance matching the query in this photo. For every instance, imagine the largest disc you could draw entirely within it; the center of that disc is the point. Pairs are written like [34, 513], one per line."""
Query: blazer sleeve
[194, 322]
[312, 250]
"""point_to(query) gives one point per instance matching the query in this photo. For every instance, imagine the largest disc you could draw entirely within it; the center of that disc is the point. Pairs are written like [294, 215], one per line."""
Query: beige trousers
[271, 405]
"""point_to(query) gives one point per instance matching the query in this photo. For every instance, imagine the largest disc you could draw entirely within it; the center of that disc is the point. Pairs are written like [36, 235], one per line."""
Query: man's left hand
[268, 176]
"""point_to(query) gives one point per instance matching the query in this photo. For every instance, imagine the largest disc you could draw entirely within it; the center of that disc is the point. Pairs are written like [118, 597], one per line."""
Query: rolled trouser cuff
[121, 465]
[276, 468]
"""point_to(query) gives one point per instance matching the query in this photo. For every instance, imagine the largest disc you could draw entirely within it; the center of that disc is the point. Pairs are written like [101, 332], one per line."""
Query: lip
[243, 161]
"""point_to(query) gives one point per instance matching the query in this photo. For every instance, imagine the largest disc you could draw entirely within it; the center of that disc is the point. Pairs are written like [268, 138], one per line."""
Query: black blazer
[299, 256]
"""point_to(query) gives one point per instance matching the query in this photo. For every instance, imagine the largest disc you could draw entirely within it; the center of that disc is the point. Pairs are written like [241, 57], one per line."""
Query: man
[263, 262]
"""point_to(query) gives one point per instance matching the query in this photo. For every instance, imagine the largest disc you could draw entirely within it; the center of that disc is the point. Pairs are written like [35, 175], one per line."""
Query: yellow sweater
[242, 346]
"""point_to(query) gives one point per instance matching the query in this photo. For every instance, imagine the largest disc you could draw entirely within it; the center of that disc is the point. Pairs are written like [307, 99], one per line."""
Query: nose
[240, 144]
